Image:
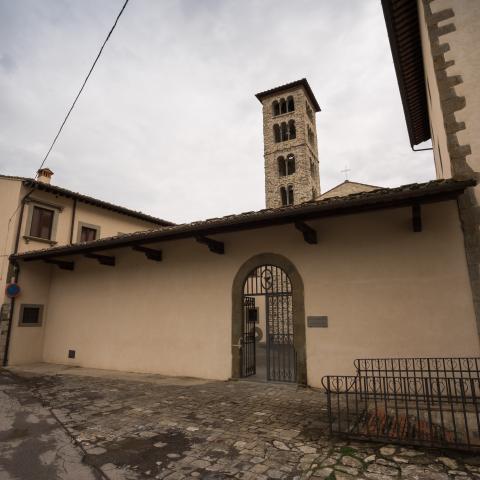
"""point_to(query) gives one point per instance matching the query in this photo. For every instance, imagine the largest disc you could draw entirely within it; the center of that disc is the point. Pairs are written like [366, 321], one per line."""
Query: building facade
[36, 215]
[172, 301]
[289, 293]
[435, 50]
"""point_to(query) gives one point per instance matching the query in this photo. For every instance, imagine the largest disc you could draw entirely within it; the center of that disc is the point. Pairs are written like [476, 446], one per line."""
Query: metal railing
[458, 367]
[414, 409]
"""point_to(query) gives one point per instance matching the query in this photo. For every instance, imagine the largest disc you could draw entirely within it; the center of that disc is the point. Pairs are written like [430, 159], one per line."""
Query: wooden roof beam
[150, 253]
[213, 245]
[102, 259]
[309, 234]
[63, 264]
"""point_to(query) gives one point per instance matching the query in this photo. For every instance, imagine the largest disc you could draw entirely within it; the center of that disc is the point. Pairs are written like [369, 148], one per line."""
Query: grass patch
[348, 451]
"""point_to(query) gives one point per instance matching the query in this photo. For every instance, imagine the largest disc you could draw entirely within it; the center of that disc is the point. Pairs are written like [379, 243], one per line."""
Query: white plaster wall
[386, 290]
[26, 342]
[439, 137]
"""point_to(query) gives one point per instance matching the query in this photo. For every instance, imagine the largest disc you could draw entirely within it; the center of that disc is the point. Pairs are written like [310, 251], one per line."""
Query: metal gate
[273, 284]
[248, 344]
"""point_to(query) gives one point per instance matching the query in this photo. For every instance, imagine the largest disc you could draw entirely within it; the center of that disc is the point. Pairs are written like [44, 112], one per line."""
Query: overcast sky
[168, 123]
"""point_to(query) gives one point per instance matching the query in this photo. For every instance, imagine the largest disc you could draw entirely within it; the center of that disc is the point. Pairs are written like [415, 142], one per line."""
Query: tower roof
[298, 83]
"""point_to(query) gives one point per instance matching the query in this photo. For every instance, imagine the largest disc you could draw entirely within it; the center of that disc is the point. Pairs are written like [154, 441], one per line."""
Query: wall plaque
[317, 321]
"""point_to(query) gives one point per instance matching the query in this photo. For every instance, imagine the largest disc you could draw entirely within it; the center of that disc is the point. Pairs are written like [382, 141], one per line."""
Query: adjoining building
[435, 49]
[36, 214]
[288, 293]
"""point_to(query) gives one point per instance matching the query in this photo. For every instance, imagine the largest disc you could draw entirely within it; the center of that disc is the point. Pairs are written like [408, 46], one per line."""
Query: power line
[65, 119]
[83, 85]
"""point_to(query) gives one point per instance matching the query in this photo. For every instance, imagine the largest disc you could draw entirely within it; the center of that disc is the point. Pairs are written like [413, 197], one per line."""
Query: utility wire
[83, 86]
[65, 120]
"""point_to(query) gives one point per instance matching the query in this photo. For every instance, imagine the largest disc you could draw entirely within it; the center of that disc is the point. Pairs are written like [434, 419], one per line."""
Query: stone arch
[298, 309]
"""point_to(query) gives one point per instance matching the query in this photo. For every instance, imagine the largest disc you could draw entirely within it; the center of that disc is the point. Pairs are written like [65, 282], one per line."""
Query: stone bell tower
[290, 144]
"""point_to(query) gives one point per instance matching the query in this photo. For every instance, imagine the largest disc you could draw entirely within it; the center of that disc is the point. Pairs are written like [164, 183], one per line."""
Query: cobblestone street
[131, 426]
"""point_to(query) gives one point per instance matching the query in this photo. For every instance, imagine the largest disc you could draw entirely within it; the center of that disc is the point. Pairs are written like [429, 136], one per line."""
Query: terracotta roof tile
[436, 190]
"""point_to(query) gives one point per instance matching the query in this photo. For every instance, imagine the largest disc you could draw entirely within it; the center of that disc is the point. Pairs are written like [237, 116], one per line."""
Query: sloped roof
[303, 83]
[347, 188]
[46, 187]
[406, 195]
[402, 21]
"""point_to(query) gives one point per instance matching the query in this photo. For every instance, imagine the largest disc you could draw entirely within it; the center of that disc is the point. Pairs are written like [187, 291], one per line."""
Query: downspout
[72, 226]
[16, 267]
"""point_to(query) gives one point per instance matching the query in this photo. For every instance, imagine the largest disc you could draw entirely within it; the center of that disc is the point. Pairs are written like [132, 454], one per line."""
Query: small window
[292, 131]
[42, 223]
[290, 164]
[275, 108]
[290, 195]
[282, 168]
[309, 111]
[311, 136]
[31, 315]
[290, 104]
[283, 106]
[284, 132]
[276, 133]
[286, 195]
[88, 234]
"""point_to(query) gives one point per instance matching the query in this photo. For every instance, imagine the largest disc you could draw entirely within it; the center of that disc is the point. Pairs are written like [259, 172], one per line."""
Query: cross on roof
[345, 171]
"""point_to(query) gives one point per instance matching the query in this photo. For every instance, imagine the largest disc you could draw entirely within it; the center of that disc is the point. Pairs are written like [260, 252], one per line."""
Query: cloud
[168, 123]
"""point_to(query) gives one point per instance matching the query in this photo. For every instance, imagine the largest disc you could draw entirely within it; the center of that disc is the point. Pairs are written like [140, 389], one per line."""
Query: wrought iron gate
[248, 343]
[273, 284]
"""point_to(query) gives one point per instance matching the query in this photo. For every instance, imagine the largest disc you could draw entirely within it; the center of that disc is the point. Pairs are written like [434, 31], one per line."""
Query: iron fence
[435, 410]
[459, 367]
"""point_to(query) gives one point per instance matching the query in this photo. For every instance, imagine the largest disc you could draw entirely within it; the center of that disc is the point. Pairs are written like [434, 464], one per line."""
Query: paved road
[33, 445]
[147, 426]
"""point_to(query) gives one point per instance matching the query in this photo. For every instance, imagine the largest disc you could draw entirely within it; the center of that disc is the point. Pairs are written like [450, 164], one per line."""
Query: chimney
[44, 175]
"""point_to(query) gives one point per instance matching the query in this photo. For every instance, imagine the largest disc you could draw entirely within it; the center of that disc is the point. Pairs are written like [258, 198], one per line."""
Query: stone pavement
[147, 426]
[32, 442]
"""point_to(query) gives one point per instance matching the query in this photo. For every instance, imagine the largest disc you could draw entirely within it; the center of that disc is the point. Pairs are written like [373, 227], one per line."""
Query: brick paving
[147, 426]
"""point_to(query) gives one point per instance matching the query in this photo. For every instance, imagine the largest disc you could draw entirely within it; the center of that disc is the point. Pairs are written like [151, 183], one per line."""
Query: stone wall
[303, 182]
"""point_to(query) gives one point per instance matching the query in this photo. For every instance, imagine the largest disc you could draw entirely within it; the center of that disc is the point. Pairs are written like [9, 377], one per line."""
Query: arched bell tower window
[285, 131]
[292, 131]
[283, 106]
[286, 195]
[290, 104]
[275, 108]
[276, 133]
[286, 166]
[282, 167]
[311, 136]
[290, 168]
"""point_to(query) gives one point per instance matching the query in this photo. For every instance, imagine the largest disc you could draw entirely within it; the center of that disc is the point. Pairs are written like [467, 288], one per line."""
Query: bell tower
[290, 144]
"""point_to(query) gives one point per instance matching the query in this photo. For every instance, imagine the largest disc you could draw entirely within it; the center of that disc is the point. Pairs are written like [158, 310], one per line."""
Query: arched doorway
[268, 321]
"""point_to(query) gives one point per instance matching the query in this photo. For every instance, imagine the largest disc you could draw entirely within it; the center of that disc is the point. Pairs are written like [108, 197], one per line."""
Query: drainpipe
[73, 219]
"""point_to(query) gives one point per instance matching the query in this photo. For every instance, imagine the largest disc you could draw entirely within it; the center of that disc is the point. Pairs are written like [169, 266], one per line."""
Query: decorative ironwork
[273, 284]
[248, 343]
[458, 367]
[438, 407]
